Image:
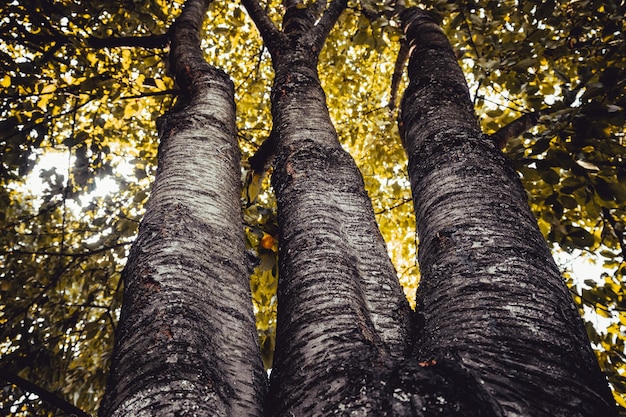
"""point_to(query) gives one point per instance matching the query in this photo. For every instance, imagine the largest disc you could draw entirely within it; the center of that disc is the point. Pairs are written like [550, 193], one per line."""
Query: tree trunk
[339, 302]
[341, 309]
[186, 343]
[491, 298]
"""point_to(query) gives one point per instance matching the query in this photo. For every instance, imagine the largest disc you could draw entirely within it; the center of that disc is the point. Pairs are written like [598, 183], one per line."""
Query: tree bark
[491, 298]
[341, 310]
[186, 343]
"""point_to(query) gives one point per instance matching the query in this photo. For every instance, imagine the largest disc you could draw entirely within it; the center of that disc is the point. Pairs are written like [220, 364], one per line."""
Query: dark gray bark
[341, 311]
[186, 343]
[491, 298]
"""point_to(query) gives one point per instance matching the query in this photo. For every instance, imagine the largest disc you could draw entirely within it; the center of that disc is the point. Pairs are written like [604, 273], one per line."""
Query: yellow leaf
[42, 103]
[160, 84]
[48, 88]
[132, 109]
[126, 59]
[92, 58]
[6, 81]
[254, 187]
[140, 79]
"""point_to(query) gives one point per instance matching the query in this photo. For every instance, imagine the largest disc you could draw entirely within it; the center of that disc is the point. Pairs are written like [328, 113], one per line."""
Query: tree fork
[341, 311]
[490, 294]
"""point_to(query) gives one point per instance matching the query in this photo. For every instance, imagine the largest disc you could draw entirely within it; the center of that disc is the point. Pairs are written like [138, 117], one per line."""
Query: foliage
[85, 81]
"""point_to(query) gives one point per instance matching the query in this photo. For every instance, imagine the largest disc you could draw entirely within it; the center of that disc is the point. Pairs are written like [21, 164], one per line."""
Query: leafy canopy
[83, 83]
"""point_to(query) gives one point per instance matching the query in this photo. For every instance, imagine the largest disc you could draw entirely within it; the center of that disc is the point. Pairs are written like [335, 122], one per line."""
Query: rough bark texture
[341, 310]
[490, 298]
[186, 343]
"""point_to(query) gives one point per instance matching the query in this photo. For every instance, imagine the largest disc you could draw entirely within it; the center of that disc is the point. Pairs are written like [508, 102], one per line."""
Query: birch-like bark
[491, 298]
[186, 343]
[341, 310]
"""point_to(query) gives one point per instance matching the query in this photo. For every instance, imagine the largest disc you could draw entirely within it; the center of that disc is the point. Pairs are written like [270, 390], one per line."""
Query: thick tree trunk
[186, 343]
[491, 298]
[341, 310]
[340, 304]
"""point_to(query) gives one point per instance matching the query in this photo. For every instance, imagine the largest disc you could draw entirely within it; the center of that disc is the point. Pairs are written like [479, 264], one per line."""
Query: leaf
[253, 186]
[570, 184]
[550, 176]
[540, 146]
[603, 189]
[568, 202]
[591, 283]
[77, 139]
[524, 64]
[580, 237]
[612, 108]
[160, 84]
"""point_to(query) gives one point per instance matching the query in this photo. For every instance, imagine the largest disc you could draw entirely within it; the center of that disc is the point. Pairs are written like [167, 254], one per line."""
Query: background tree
[93, 103]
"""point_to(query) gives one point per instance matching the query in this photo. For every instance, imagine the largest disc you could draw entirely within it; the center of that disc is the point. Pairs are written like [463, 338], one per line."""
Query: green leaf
[550, 176]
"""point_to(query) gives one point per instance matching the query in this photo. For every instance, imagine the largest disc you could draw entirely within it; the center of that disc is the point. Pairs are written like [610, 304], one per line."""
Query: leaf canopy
[84, 82]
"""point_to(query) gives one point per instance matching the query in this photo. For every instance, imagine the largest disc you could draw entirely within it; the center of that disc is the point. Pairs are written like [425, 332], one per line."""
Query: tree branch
[403, 55]
[186, 60]
[67, 254]
[606, 213]
[168, 92]
[40, 39]
[57, 37]
[263, 157]
[327, 21]
[267, 28]
[515, 128]
[148, 42]
[469, 32]
[318, 7]
[395, 206]
[43, 393]
[520, 125]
